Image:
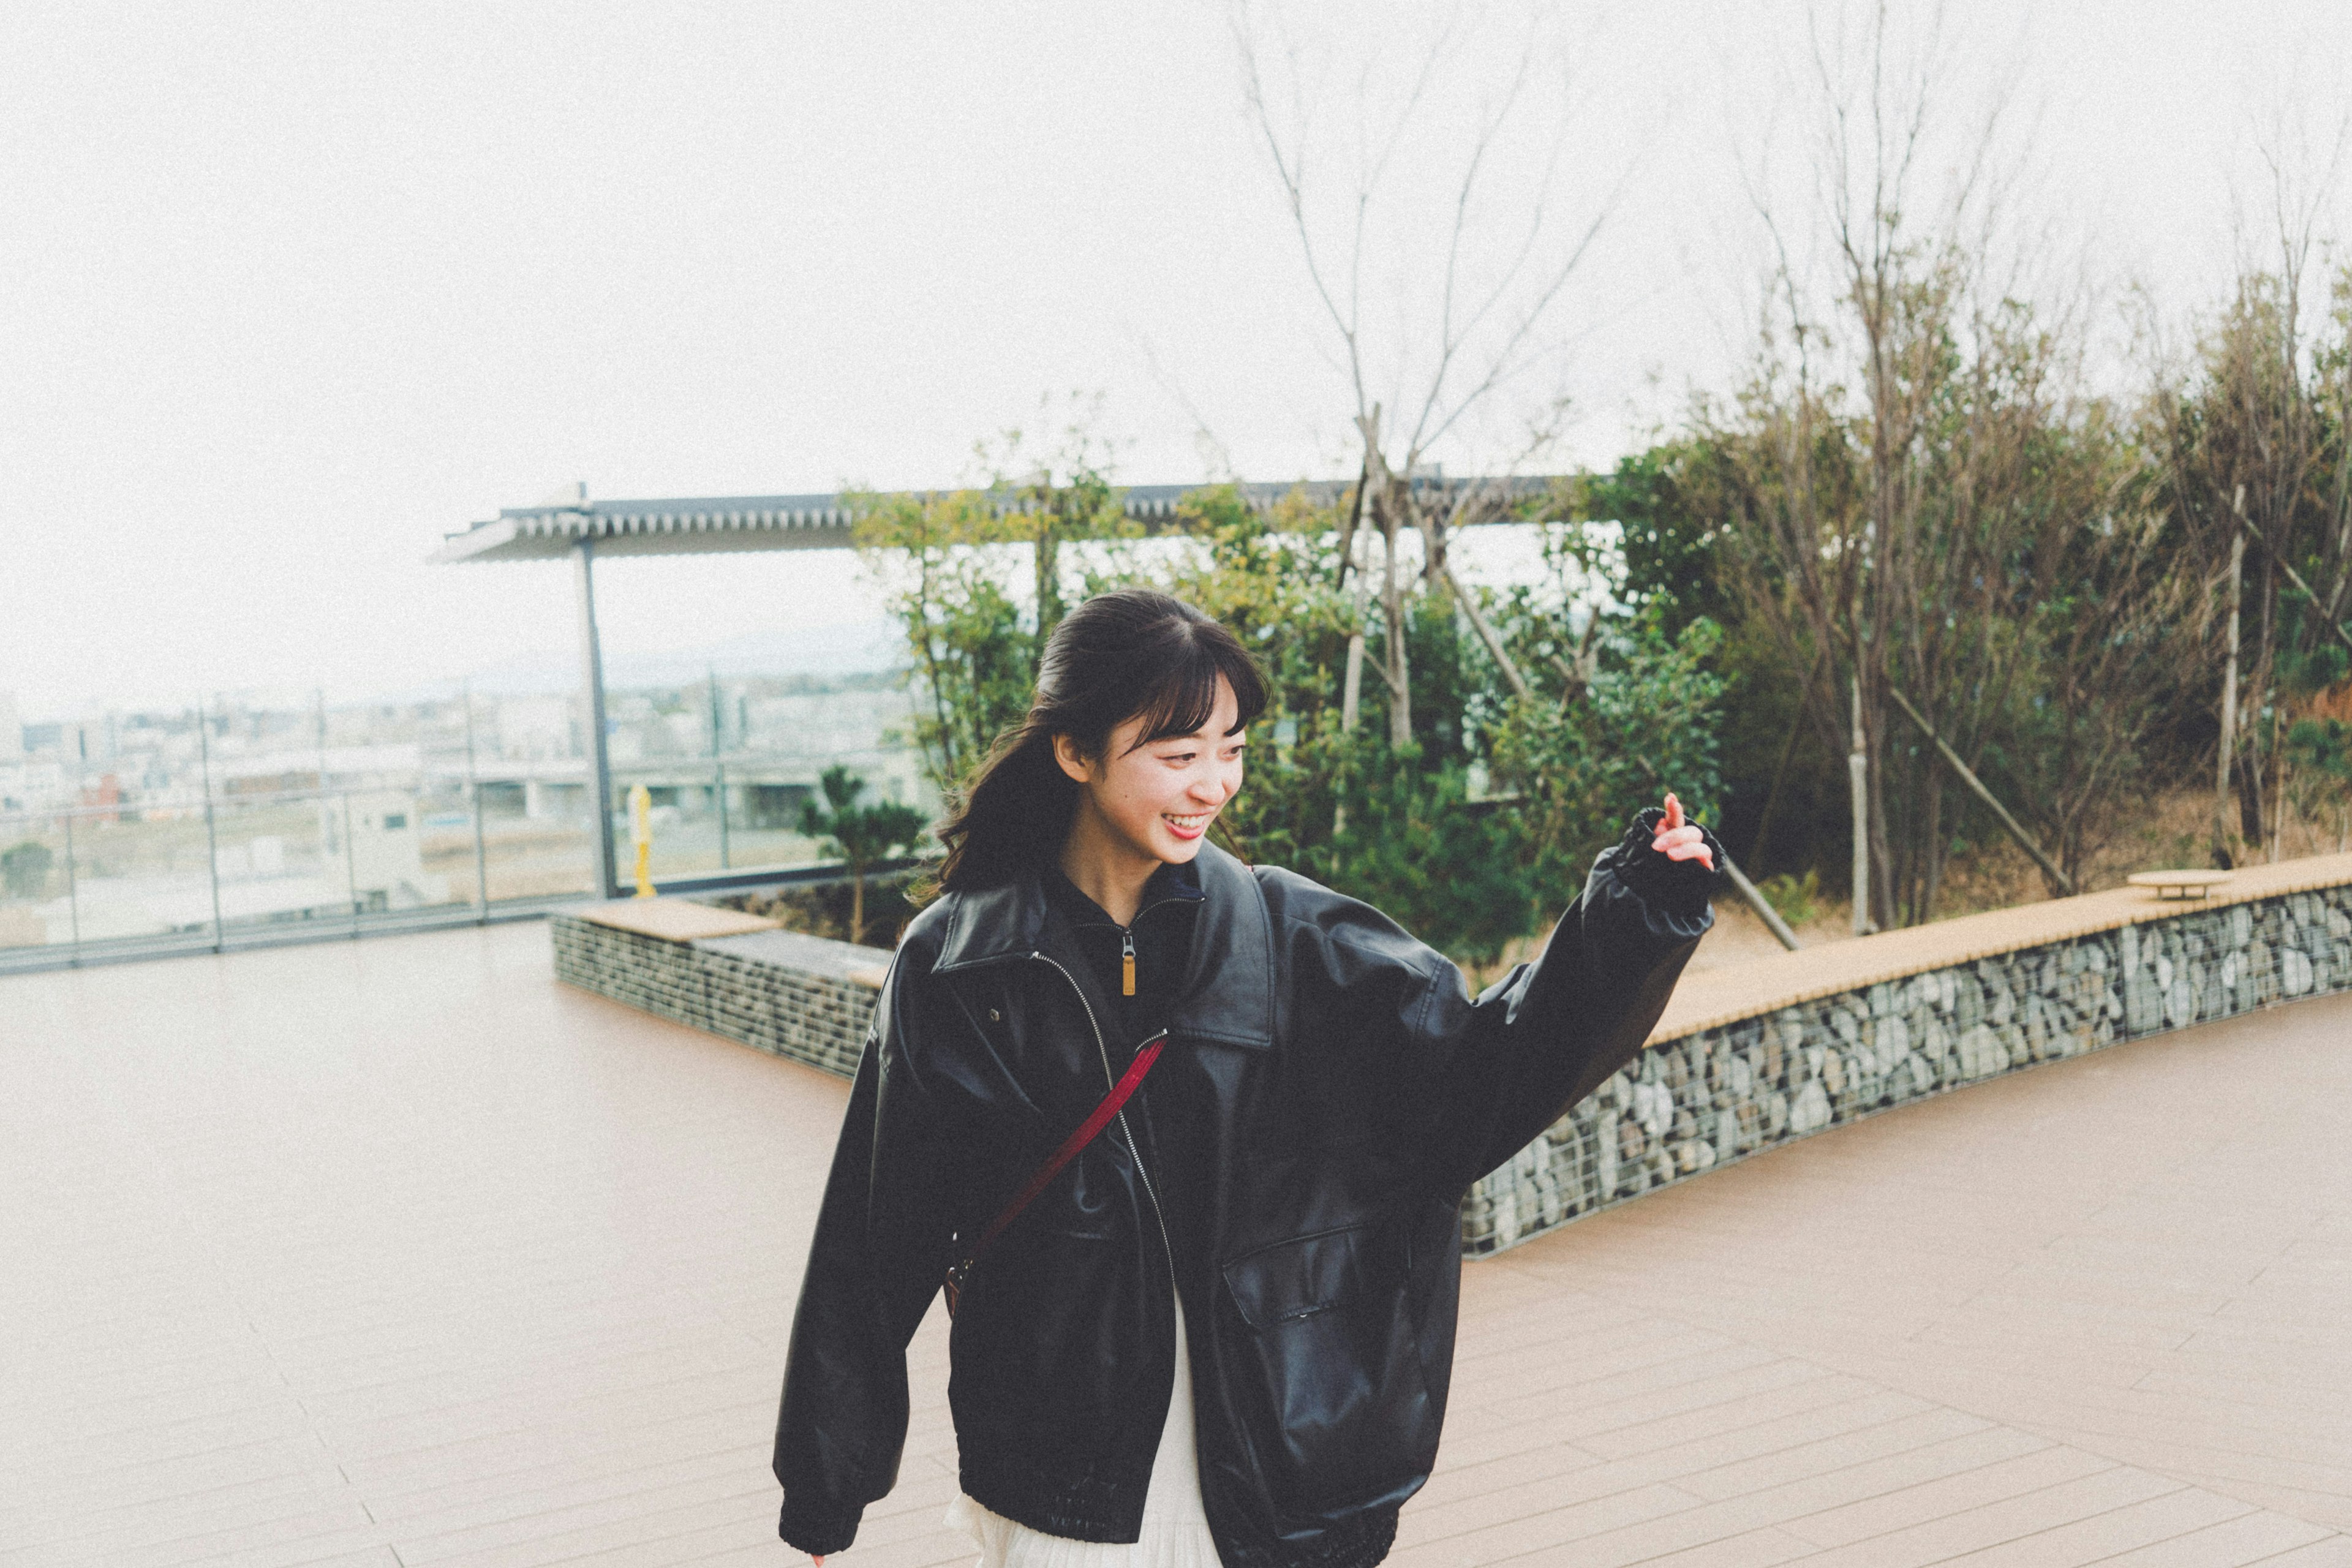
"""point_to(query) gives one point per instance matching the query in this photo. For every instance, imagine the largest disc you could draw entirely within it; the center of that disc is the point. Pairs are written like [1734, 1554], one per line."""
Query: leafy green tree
[1044, 500]
[1668, 538]
[25, 869]
[1452, 870]
[859, 834]
[2320, 751]
[2253, 442]
[949, 565]
[1645, 721]
[948, 581]
[1407, 827]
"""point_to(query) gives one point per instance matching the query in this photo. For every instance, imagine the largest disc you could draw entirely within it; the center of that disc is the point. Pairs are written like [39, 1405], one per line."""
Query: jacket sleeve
[1502, 1068]
[883, 1234]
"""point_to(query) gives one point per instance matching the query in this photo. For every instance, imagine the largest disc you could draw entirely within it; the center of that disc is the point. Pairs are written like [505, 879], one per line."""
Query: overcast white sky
[287, 291]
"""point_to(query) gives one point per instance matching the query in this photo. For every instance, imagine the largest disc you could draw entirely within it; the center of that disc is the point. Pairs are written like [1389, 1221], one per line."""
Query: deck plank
[398, 1253]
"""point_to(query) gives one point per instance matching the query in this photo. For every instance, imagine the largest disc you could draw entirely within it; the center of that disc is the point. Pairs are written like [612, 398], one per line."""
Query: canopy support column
[600, 761]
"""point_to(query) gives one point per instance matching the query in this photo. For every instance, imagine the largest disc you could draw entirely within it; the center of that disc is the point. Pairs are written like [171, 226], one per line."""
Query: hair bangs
[1184, 696]
[1128, 655]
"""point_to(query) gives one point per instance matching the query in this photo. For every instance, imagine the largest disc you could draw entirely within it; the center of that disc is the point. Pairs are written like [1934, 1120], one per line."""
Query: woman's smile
[1190, 826]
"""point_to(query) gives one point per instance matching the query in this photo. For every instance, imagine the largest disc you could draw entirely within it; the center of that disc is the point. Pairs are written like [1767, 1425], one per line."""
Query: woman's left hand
[1678, 840]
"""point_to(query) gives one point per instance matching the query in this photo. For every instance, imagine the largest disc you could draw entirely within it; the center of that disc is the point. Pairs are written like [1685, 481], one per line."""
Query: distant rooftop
[702, 525]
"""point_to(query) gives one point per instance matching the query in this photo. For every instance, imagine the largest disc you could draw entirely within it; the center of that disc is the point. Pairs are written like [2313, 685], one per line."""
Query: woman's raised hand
[1678, 840]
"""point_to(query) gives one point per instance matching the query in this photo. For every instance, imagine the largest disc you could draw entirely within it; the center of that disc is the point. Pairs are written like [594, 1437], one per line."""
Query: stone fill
[1720, 1081]
[790, 994]
[1697, 1099]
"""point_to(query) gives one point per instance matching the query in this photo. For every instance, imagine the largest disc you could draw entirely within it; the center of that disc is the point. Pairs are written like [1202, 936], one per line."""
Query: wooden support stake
[2225, 753]
[1857, 774]
[2293, 575]
[1968, 776]
[1746, 889]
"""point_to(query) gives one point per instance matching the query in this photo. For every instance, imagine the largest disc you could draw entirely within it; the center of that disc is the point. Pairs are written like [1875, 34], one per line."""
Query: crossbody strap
[1085, 1135]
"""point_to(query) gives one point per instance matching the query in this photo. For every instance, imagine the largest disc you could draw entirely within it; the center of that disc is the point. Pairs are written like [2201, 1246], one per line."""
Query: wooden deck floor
[395, 1252]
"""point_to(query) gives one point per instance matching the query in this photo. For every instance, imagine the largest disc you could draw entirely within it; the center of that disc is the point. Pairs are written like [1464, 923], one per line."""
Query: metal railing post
[600, 757]
[474, 789]
[350, 865]
[73, 889]
[211, 840]
[718, 766]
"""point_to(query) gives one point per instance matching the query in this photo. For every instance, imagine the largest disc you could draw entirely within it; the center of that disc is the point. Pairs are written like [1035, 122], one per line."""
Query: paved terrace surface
[395, 1252]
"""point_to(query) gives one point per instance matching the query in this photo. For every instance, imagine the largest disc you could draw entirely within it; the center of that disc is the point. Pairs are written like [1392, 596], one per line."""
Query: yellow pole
[641, 833]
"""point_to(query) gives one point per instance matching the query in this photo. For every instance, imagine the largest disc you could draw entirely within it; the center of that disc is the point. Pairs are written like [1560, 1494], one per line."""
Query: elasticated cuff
[1680, 887]
[811, 1524]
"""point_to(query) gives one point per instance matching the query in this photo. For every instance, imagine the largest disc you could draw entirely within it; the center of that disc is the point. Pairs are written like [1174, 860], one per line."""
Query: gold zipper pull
[1126, 963]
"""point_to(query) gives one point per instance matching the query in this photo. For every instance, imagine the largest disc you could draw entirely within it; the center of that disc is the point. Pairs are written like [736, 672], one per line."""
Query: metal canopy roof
[585, 530]
[698, 525]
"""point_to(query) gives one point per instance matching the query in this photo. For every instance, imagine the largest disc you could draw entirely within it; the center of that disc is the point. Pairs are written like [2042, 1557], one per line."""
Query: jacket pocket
[1334, 1400]
[1043, 1353]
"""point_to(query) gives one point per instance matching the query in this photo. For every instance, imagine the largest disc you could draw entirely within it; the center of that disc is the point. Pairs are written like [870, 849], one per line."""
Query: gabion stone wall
[1694, 1102]
[784, 992]
[1691, 1102]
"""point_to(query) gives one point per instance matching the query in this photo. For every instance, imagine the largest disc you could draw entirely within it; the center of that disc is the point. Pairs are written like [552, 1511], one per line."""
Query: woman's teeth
[1188, 824]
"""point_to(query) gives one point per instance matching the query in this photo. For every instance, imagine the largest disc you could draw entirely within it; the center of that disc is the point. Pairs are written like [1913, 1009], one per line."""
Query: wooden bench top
[2182, 884]
[1767, 984]
[673, 919]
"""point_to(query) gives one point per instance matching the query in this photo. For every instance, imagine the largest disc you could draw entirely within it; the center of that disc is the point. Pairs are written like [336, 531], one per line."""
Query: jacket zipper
[1125, 1132]
[1126, 944]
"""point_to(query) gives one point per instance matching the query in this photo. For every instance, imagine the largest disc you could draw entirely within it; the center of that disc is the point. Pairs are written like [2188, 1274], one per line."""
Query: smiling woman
[1206, 1319]
[1132, 744]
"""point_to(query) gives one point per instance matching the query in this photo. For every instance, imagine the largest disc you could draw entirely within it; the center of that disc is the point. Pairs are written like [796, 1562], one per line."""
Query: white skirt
[1175, 1529]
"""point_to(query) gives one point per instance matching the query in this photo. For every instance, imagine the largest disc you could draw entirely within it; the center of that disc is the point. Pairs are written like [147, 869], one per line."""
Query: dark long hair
[1115, 658]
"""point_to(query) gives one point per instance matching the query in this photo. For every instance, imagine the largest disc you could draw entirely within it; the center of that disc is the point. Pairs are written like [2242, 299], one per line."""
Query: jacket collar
[1228, 990]
[1169, 883]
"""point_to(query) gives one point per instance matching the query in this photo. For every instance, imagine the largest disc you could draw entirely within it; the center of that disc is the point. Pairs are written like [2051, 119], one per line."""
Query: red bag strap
[1120, 1093]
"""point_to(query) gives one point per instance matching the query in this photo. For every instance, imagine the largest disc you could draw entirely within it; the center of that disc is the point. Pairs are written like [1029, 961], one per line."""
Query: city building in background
[245, 817]
[130, 830]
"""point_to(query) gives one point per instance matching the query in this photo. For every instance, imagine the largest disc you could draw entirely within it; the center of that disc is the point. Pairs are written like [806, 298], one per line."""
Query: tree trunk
[2278, 776]
[1931, 872]
[1857, 767]
[1048, 561]
[1884, 912]
[2250, 829]
[2221, 855]
[2250, 797]
[1393, 609]
[1351, 686]
[1385, 502]
[857, 903]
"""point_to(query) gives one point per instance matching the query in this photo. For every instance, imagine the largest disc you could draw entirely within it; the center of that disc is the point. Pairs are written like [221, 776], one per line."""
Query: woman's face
[1158, 799]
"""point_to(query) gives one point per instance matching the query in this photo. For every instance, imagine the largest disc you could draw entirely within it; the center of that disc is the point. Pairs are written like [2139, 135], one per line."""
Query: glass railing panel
[756, 847]
[710, 829]
[142, 873]
[35, 882]
[401, 863]
[282, 862]
[684, 816]
[446, 847]
[539, 840]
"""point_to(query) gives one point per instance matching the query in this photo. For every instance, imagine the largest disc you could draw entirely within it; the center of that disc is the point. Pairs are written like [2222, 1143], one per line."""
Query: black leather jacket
[1295, 1164]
